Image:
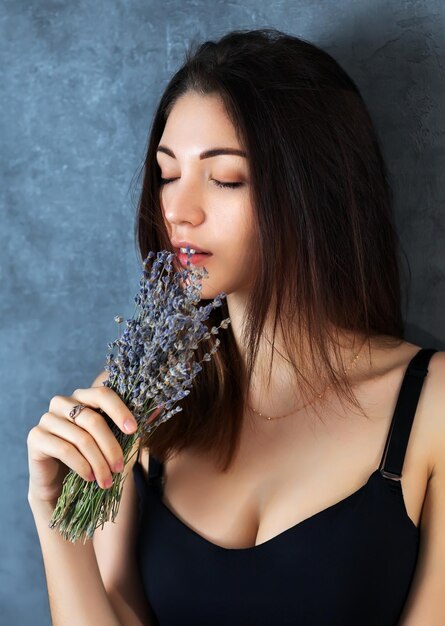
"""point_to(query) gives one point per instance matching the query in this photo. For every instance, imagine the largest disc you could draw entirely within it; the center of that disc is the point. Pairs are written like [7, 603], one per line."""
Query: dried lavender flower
[152, 365]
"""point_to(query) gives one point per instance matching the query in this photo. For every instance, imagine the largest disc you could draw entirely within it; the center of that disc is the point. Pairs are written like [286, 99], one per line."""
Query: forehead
[197, 118]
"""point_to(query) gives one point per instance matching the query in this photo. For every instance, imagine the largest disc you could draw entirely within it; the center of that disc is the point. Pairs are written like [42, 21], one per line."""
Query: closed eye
[218, 183]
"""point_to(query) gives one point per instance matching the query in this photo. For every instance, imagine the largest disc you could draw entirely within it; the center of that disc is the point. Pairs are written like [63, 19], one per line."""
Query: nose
[182, 201]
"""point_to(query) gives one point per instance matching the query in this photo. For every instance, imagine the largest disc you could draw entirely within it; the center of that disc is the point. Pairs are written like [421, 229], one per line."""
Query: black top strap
[402, 420]
[155, 473]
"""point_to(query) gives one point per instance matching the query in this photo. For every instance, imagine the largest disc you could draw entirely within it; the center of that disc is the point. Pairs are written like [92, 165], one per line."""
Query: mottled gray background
[78, 87]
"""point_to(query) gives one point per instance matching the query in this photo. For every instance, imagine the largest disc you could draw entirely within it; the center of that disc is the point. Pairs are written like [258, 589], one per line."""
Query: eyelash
[165, 181]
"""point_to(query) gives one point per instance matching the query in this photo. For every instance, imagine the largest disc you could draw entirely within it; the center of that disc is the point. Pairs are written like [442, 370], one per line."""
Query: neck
[281, 395]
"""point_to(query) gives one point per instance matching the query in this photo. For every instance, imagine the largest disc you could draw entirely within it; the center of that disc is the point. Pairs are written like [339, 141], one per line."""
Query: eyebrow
[207, 153]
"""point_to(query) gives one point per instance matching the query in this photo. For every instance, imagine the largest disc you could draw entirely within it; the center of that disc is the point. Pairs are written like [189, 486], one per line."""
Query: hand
[57, 444]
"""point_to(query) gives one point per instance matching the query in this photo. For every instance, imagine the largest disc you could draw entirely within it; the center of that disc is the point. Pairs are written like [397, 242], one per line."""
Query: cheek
[238, 220]
[239, 259]
[243, 233]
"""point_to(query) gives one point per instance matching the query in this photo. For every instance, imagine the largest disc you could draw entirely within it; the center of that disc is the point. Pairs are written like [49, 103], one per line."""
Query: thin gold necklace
[319, 395]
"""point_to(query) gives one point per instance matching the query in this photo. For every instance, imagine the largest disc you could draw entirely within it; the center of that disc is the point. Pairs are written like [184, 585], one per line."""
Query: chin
[208, 292]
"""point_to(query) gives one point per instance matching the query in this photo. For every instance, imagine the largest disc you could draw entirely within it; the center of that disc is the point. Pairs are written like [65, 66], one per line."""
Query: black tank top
[351, 564]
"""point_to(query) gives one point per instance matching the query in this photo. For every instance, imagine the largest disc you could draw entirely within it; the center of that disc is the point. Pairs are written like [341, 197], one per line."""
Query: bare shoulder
[433, 408]
[429, 423]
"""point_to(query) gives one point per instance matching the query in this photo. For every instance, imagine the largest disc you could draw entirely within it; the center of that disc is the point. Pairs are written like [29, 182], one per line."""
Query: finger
[44, 445]
[99, 429]
[95, 424]
[90, 445]
[98, 398]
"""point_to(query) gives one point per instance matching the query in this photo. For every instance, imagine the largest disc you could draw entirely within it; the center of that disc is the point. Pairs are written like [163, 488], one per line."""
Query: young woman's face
[205, 199]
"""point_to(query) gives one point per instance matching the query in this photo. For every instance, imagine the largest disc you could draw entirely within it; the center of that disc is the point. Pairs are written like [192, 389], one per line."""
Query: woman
[277, 496]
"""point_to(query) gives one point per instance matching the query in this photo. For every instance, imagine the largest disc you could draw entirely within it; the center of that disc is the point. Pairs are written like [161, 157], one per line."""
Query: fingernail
[119, 466]
[129, 425]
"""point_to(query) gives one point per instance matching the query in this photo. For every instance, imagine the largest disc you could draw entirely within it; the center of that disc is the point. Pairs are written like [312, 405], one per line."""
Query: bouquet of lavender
[154, 368]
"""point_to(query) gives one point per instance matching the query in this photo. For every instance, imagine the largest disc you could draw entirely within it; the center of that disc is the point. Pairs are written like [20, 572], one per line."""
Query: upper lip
[183, 244]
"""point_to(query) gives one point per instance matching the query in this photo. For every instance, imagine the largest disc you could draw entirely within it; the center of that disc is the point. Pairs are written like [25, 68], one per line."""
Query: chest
[286, 473]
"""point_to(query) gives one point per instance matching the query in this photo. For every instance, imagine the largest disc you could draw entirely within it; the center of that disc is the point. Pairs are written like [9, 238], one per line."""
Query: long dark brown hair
[328, 253]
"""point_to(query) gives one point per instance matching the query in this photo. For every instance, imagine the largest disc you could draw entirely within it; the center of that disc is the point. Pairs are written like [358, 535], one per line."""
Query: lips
[184, 244]
[196, 259]
[178, 251]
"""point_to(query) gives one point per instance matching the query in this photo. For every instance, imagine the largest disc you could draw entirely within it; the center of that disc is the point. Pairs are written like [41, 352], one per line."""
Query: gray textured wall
[78, 87]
